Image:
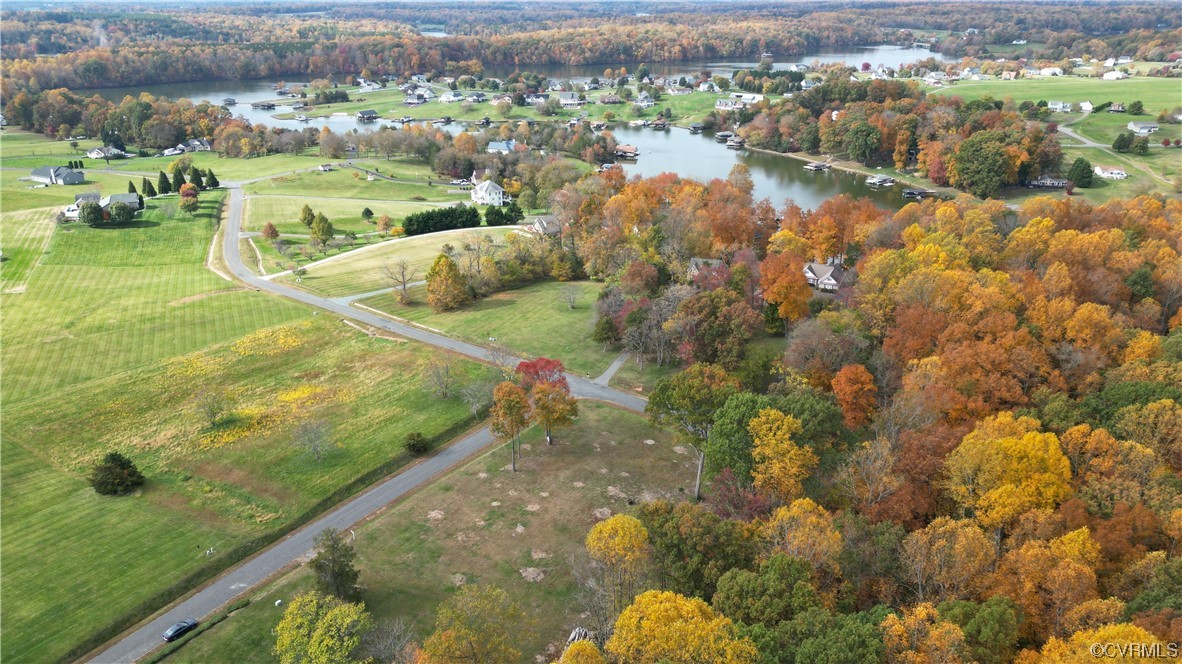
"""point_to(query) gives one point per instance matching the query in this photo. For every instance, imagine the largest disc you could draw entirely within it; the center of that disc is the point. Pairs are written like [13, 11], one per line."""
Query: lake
[676, 150]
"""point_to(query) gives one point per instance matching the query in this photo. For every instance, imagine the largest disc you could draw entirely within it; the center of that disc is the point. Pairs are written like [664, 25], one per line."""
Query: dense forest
[101, 47]
[973, 454]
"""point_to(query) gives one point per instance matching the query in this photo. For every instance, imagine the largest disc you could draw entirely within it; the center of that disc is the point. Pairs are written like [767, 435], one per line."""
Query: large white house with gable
[489, 193]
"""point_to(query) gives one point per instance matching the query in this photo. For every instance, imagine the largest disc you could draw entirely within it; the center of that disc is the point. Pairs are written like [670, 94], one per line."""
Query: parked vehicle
[180, 629]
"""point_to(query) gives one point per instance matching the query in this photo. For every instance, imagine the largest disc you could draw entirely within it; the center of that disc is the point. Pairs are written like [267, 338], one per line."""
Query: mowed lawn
[1104, 127]
[21, 194]
[115, 333]
[26, 234]
[348, 183]
[483, 524]
[1156, 93]
[344, 213]
[532, 321]
[361, 272]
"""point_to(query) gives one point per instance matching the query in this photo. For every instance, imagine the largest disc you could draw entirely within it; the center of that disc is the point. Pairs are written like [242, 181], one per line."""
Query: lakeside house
[451, 97]
[1143, 128]
[489, 193]
[367, 116]
[644, 100]
[479, 97]
[610, 98]
[569, 99]
[501, 147]
[414, 99]
[497, 99]
[828, 277]
[1111, 172]
[729, 105]
[537, 99]
[57, 175]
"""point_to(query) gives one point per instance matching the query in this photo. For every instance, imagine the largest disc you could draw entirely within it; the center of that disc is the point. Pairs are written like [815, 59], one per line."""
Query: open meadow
[1156, 93]
[352, 184]
[113, 337]
[483, 524]
[532, 320]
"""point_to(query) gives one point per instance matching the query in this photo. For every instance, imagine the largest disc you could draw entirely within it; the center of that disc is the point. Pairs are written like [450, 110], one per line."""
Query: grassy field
[362, 272]
[349, 183]
[25, 149]
[113, 334]
[1104, 127]
[344, 213]
[18, 194]
[482, 524]
[1156, 93]
[529, 320]
[26, 235]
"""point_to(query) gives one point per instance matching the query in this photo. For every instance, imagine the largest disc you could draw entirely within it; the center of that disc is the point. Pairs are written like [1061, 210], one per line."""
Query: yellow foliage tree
[477, 624]
[805, 530]
[582, 652]
[620, 541]
[780, 465]
[946, 559]
[920, 637]
[1145, 346]
[320, 629]
[1114, 643]
[662, 626]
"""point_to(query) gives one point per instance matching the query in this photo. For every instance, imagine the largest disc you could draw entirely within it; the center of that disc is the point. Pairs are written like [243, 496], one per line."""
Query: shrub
[115, 475]
[416, 444]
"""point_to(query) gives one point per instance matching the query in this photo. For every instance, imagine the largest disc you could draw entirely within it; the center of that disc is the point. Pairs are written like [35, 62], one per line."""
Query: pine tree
[195, 177]
[1123, 142]
[178, 179]
[163, 185]
[1081, 173]
[149, 190]
[211, 180]
[131, 187]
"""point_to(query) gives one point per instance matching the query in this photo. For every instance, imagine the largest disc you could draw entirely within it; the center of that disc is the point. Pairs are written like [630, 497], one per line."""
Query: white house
[825, 277]
[1124, 60]
[644, 100]
[707, 86]
[1142, 128]
[1086, 106]
[1115, 75]
[489, 193]
[569, 99]
[57, 175]
[451, 97]
[1050, 71]
[546, 224]
[1060, 106]
[1111, 172]
[106, 152]
[501, 147]
[729, 105]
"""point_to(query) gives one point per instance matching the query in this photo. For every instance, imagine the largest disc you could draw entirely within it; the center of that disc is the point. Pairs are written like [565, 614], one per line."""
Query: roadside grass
[349, 183]
[208, 486]
[362, 272]
[1164, 163]
[344, 213]
[26, 234]
[530, 321]
[641, 378]
[410, 561]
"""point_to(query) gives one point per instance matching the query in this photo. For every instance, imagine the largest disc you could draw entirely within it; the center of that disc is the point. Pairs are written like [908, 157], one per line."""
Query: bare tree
[502, 359]
[212, 405]
[390, 641]
[401, 275]
[312, 436]
[477, 395]
[441, 374]
[569, 295]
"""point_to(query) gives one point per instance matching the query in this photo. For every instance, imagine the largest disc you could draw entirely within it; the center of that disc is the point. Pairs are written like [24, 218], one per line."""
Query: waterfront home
[414, 99]
[644, 100]
[1111, 172]
[479, 97]
[729, 105]
[451, 97]
[489, 193]
[610, 98]
[627, 151]
[569, 99]
[537, 99]
[497, 99]
[707, 86]
[501, 147]
[57, 175]
[367, 116]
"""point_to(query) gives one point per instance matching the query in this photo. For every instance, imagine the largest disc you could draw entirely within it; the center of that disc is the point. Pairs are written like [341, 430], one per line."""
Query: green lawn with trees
[350, 183]
[463, 528]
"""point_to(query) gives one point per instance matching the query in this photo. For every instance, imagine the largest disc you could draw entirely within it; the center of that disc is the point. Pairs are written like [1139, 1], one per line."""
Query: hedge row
[442, 219]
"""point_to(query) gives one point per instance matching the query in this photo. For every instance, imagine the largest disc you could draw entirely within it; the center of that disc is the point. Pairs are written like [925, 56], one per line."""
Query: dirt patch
[458, 580]
[222, 472]
[532, 574]
[602, 513]
[532, 508]
[680, 450]
[202, 296]
[616, 493]
[538, 554]
[435, 515]
[650, 441]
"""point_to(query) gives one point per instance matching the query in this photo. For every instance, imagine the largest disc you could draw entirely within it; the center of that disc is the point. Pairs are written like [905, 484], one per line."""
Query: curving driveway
[253, 571]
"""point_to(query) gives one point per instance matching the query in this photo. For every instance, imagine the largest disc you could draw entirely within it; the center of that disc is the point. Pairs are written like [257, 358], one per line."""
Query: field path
[248, 574]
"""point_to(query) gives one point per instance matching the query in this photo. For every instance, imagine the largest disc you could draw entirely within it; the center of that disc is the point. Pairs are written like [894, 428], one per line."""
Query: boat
[723, 136]
[598, 125]
[638, 123]
[696, 128]
[627, 151]
[918, 194]
[879, 180]
[734, 143]
[817, 166]
[301, 118]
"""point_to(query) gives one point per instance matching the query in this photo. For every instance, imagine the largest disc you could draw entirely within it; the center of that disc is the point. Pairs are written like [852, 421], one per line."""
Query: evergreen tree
[131, 187]
[115, 475]
[336, 574]
[307, 216]
[178, 178]
[163, 185]
[367, 214]
[1123, 142]
[1140, 146]
[1137, 108]
[494, 217]
[149, 190]
[211, 180]
[195, 177]
[1081, 173]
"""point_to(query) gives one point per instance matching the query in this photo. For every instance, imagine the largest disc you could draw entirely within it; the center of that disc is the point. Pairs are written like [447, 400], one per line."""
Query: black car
[180, 629]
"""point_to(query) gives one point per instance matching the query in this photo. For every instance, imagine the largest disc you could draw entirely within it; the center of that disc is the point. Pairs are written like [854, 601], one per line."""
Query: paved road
[253, 571]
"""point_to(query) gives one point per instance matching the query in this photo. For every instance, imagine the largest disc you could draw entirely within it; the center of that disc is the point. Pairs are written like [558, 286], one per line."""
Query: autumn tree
[805, 530]
[781, 275]
[946, 559]
[510, 416]
[780, 590]
[780, 465]
[665, 627]
[620, 548]
[552, 407]
[1046, 580]
[476, 624]
[686, 402]
[447, 287]
[980, 165]
[270, 232]
[856, 393]
[336, 573]
[582, 652]
[919, 635]
[321, 629]
[542, 370]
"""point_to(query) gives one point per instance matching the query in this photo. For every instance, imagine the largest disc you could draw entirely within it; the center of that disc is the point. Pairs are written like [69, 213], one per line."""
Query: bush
[115, 475]
[416, 444]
